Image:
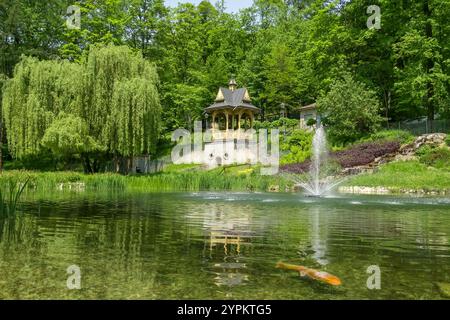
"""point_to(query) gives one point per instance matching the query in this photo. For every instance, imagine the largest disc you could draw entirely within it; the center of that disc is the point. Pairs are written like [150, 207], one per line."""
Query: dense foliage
[290, 52]
[350, 110]
[297, 147]
[283, 51]
[108, 103]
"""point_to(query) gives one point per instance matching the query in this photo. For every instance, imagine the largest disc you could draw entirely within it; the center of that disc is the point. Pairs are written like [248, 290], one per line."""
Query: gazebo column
[233, 123]
[239, 120]
[239, 115]
[226, 123]
[252, 119]
[236, 125]
[213, 125]
[226, 120]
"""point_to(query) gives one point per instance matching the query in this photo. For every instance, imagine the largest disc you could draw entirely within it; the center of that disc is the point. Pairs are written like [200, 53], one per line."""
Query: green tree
[102, 22]
[3, 79]
[349, 110]
[68, 137]
[33, 28]
[35, 95]
[422, 57]
[281, 84]
[145, 25]
[114, 92]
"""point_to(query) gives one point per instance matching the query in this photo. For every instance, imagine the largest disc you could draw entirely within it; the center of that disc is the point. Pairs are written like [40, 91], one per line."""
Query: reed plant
[10, 194]
[189, 180]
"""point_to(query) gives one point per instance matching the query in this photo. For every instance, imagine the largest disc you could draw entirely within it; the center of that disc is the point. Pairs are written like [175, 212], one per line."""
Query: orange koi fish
[311, 273]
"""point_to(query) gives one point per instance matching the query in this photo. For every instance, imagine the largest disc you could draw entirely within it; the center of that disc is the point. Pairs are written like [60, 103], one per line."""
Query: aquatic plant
[190, 180]
[10, 194]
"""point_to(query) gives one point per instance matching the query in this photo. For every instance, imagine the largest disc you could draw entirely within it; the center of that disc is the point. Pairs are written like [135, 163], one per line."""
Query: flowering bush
[365, 153]
[357, 155]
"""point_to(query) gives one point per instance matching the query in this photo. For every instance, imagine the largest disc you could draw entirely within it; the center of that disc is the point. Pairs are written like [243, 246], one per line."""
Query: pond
[223, 246]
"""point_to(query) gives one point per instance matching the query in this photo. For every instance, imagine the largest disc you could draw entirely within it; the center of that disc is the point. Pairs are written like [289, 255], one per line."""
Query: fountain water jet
[317, 182]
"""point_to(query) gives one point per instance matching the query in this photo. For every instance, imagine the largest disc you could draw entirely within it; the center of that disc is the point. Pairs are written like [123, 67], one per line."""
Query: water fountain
[318, 182]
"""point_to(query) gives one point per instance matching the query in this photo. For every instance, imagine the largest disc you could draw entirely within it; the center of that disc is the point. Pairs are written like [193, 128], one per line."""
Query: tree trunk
[116, 162]
[129, 164]
[96, 165]
[387, 105]
[87, 164]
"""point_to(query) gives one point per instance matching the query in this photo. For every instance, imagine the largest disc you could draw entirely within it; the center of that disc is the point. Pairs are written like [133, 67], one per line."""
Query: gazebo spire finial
[232, 85]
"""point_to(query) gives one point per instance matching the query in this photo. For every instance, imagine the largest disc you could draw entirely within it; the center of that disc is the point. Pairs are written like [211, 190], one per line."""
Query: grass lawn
[404, 175]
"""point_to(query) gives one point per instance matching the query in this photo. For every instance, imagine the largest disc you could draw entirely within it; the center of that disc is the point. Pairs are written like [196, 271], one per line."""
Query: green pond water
[223, 246]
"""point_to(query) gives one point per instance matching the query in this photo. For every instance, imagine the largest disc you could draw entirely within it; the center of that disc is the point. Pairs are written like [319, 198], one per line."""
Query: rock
[433, 139]
[407, 150]
[364, 190]
[405, 157]
[444, 288]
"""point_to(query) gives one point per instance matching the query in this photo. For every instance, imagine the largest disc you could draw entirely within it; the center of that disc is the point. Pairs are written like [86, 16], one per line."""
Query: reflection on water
[227, 230]
[223, 246]
[318, 236]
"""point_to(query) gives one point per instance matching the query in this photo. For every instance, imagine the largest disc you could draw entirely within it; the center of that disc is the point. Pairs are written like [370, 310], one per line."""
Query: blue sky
[231, 5]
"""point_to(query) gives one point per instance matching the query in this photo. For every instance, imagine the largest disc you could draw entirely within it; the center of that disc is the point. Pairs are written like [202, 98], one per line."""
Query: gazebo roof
[312, 106]
[232, 98]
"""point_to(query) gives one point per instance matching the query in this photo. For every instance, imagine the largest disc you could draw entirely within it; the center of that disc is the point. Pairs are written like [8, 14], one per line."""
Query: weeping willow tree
[112, 94]
[3, 79]
[133, 124]
[121, 102]
[37, 93]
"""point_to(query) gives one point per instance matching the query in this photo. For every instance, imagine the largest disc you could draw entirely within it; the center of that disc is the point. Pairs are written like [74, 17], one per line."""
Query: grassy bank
[190, 179]
[401, 176]
[397, 176]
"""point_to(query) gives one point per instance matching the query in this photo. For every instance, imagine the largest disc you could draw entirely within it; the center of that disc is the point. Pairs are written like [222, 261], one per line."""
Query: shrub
[297, 146]
[311, 122]
[391, 135]
[350, 110]
[365, 153]
[357, 155]
[424, 150]
[434, 157]
[447, 140]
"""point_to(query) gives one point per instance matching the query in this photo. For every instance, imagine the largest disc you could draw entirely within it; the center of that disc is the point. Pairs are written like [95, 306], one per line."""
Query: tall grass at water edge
[166, 181]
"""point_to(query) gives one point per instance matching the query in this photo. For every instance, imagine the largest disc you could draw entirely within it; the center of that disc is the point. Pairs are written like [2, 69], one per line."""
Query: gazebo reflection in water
[228, 235]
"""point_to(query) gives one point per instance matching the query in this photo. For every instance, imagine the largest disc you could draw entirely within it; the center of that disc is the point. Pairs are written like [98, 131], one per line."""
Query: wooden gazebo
[232, 111]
